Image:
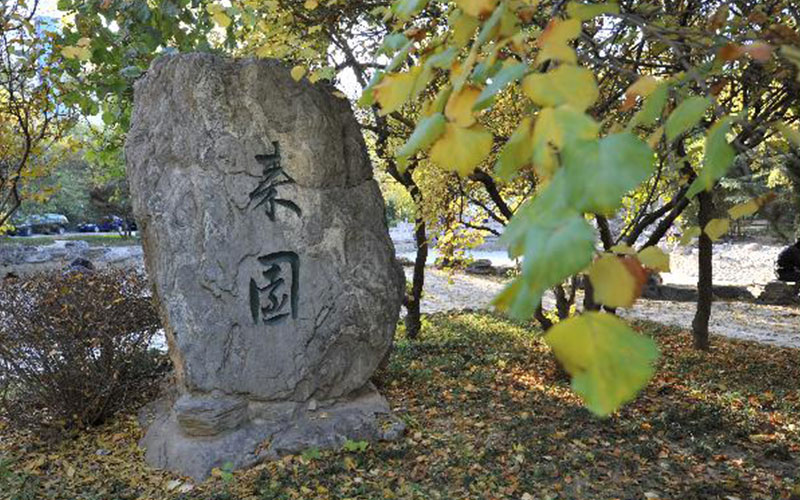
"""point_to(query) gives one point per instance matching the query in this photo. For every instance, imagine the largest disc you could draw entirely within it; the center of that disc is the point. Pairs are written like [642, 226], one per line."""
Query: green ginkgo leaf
[428, 130]
[603, 171]
[686, 116]
[718, 157]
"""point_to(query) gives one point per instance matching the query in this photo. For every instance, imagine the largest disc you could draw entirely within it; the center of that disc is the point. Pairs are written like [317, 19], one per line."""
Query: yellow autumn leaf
[688, 235]
[459, 106]
[614, 285]
[717, 228]
[298, 72]
[461, 149]
[564, 85]
[744, 209]
[623, 249]
[82, 53]
[654, 258]
[477, 8]
[222, 19]
[554, 41]
[311, 4]
[393, 91]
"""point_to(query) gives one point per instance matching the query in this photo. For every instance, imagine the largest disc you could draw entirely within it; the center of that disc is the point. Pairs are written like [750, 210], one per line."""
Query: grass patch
[488, 418]
[95, 240]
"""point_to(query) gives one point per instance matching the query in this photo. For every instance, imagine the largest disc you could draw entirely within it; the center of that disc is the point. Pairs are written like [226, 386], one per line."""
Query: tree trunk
[413, 298]
[705, 292]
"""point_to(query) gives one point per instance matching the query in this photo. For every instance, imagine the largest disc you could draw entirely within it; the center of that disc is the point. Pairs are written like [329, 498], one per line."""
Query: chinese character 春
[266, 193]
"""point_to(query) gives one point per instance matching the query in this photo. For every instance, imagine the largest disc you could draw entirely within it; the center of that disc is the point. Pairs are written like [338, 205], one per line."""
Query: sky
[48, 8]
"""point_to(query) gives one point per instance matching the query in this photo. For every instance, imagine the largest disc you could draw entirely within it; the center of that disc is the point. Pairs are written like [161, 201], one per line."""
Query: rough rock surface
[780, 294]
[265, 238]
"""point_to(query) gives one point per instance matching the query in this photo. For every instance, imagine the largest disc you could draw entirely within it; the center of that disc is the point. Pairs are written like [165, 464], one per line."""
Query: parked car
[20, 227]
[105, 225]
[88, 227]
[41, 224]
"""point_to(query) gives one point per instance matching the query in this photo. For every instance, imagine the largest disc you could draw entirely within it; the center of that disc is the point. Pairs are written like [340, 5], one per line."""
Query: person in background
[789, 264]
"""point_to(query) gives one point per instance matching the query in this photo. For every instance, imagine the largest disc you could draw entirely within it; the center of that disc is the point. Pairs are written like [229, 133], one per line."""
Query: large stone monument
[265, 239]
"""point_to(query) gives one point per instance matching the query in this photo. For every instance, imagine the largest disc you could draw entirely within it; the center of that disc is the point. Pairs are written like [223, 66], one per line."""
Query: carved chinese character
[266, 194]
[275, 301]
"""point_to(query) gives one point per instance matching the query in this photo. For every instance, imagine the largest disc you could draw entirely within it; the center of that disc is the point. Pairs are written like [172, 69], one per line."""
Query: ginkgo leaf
[608, 361]
[686, 116]
[517, 151]
[406, 9]
[566, 84]
[622, 249]
[557, 244]
[428, 130]
[642, 87]
[72, 52]
[477, 8]
[311, 4]
[556, 128]
[717, 159]
[461, 149]
[654, 258]
[602, 172]
[653, 107]
[505, 76]
[393, 90]
[459, 106]
[464, 28]
[749, 208]
[717, 228]
[791, 134]
[298, 72]
[690, 234]
[222, 19]
[613, 284]
[585, 12]
[743, 209]
[554, 41]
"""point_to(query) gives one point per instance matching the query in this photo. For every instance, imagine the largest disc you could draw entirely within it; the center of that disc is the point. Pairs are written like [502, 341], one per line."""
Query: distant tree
[33, 115]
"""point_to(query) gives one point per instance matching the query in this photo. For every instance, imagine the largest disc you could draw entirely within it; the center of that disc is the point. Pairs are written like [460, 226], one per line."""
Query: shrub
[75, 347]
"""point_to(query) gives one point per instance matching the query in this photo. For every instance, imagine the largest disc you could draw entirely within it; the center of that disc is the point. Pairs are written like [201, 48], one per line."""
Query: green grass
[489, 417]
[95, 240]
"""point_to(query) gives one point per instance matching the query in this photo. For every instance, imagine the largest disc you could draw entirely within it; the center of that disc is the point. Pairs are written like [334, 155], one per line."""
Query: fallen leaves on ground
[489, 417]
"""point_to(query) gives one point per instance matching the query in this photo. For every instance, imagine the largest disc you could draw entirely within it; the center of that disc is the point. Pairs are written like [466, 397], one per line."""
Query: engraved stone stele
[266, 243]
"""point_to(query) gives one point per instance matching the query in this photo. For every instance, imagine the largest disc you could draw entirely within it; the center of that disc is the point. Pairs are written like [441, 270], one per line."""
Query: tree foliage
[33, 116]
[584, 130]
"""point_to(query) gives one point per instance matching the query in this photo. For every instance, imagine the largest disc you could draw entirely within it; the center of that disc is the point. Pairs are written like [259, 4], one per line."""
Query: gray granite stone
[265, 239]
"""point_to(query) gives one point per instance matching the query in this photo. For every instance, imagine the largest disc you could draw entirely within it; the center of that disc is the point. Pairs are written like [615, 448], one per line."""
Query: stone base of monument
[193, 435]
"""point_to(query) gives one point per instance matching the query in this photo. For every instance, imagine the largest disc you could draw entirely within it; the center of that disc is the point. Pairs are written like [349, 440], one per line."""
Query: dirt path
[774, 325]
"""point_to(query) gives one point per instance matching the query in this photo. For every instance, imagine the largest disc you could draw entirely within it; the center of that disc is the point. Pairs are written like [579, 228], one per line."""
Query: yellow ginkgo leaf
[564, 85]
[459, 106]
[743, 209]
[690, 234]
[311, 4]
[222, 19]
[717, 228]
[623, 249]
[298, 72]
[654, 258]
[461, 149]
[82, 53]
[750, 207]
[554, 41]
[393, 91]
[613, 283]
[642, 87]
[477, 8]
